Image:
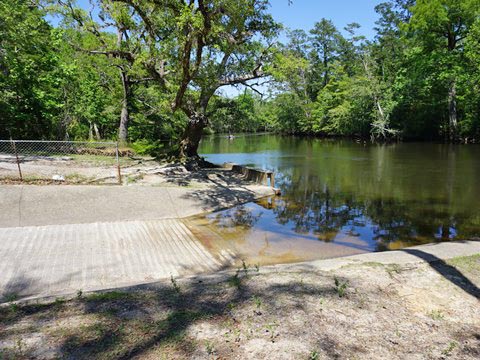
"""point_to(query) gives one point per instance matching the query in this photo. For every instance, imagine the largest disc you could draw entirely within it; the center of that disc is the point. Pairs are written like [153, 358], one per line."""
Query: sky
[302, 14]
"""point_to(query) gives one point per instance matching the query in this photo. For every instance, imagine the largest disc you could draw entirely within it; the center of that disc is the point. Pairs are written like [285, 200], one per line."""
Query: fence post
[18, 160]
[118, 165]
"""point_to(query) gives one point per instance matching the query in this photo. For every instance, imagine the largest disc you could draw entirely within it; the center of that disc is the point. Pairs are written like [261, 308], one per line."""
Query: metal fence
[64, 161]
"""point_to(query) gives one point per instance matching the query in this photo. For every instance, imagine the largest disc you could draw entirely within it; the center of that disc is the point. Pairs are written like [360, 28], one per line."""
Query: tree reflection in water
[387, 196]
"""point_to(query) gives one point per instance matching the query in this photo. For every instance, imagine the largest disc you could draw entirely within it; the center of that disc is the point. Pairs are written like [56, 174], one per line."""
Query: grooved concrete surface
[60, 239]
[60, 259]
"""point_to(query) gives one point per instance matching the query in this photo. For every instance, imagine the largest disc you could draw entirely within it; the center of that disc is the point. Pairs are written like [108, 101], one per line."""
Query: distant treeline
[122, 73]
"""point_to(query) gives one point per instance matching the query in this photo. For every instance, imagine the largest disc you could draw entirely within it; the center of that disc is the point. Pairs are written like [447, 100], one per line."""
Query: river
[341, 197]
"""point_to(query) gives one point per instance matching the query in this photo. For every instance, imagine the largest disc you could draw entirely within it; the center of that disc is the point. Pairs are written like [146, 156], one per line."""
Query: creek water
[341, 197]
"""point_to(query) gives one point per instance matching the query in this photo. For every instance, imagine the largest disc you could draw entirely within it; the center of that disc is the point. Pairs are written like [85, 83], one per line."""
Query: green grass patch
[109, 296]
[468, 263]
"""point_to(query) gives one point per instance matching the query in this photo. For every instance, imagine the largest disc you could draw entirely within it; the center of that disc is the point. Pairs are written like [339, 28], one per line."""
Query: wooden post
[18, 160]
[272, 179]
[118, 165]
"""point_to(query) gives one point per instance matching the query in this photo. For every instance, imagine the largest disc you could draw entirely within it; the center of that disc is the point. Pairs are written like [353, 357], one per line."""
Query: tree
[113, 34]
[197, 47]
[29, 76]
[325, 48]
[441, 27]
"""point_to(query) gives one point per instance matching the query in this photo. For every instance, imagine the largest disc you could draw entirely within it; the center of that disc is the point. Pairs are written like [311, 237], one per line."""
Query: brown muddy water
[342, 198]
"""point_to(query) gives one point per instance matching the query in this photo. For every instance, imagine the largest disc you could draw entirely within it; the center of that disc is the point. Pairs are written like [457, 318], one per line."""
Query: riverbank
[425, 306]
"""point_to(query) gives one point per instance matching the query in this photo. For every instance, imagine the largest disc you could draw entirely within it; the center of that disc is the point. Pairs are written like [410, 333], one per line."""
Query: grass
[436, 315]
[449, 349]
[235, 280]
[393, 269]
[78, 178]
[468, 263]
[175, 285]
[257, 301]
[108, 296]
[95, 159]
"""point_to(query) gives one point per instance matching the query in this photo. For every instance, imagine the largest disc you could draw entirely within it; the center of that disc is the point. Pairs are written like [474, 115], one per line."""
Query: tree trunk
[124, 120]
[90, 132]
[452, 111]
[192, 136]
[97, 133]
[124, 115]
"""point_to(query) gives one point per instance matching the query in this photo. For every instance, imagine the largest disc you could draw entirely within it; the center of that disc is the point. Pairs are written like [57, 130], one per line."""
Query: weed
[209, 347]
[175, 285]
[257, 268]
[341, 287]
[79, 294]
[270, 328]
[372, 264]
[19, 346]
[235, 280]
[313, 355]
[451, 346]
[258, 301]
[13, 308]
[436, 315]
[258, 304]
[11, 297]
[244, 267]
[59, 301]
[134, 178]
[393, 269]
[78, 178]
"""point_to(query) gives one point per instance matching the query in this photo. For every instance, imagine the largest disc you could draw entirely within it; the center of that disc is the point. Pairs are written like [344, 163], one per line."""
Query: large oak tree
[195, 47]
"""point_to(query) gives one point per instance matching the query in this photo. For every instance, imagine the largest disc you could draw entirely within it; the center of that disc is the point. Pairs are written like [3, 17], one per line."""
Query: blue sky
[302, 14]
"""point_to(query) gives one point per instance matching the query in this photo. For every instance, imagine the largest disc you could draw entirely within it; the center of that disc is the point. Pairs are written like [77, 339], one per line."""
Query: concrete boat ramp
[57, 240]
[55, 259]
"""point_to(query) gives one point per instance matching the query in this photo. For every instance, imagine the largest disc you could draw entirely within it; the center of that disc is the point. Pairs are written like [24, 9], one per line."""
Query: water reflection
[361, 197]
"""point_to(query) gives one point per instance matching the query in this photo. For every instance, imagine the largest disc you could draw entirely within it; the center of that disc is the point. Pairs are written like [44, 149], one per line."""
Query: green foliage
[236, 115]
[399, 85]
[29, 75]
[417, 79]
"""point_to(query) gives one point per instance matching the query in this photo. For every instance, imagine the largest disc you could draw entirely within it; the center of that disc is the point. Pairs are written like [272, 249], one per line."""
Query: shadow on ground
[223, 188]
[447, 271]
[305, 311]
[127, 323]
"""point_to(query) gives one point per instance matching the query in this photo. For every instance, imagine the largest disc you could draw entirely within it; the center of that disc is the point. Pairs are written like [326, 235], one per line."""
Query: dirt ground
[93, 170]
[364, 311]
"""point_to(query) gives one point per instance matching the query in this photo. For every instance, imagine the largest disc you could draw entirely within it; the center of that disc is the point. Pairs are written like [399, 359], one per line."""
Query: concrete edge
[437, 251]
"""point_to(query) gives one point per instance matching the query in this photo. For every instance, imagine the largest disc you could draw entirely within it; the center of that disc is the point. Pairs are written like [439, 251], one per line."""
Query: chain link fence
[62, 161]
